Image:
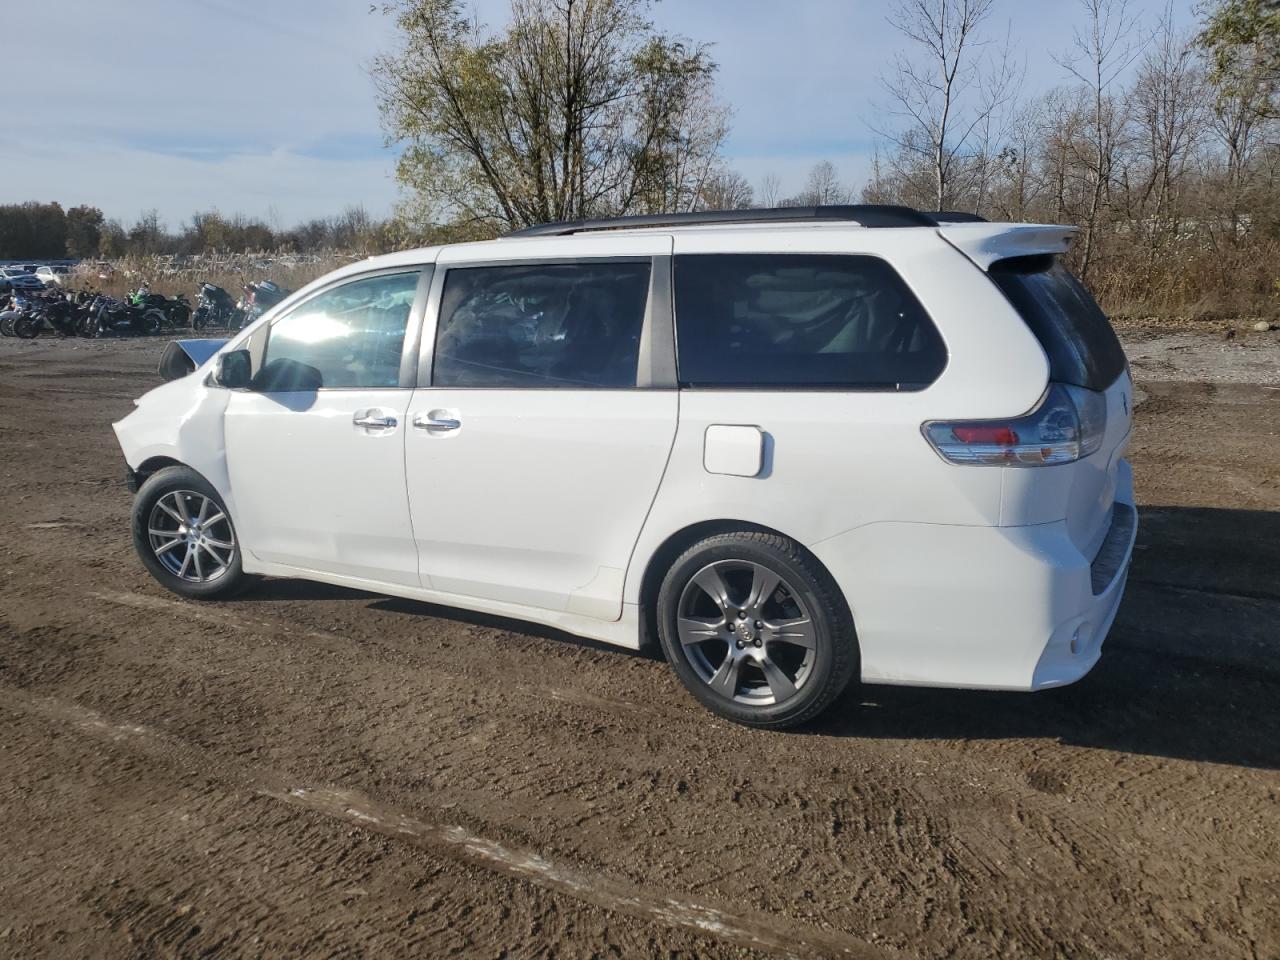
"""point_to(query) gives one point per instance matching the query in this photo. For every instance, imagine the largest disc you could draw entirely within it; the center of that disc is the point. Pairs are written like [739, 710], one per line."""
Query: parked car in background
[794, 446]
[14, 278]
[52, 276]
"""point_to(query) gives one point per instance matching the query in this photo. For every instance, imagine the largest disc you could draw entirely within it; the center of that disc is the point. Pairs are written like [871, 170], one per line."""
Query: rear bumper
[1002, 608]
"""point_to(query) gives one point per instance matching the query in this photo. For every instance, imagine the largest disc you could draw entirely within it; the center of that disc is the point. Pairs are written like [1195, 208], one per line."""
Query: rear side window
[1082, 348]
[803, 321]
[541, 325]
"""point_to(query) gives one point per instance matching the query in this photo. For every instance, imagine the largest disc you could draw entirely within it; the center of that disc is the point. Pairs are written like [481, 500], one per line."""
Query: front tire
[185, 537]
[151, 323]
[756, 629]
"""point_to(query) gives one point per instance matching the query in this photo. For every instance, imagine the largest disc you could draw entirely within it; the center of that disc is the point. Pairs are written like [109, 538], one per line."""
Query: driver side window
[351, 336]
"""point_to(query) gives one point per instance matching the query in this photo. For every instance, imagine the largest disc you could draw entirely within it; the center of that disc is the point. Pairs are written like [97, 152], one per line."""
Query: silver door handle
[431, 423]
[375, 423]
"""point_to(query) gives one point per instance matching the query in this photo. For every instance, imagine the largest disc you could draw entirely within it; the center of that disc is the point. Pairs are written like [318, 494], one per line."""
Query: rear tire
[27, 328]
[185, 537]
[756, 629]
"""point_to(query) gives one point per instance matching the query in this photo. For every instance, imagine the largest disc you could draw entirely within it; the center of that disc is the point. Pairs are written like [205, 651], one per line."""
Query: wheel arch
[156, 464]
[660, 560]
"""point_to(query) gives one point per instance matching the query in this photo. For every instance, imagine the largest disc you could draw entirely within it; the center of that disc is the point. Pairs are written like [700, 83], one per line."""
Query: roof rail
[867, 215]
[957, 216]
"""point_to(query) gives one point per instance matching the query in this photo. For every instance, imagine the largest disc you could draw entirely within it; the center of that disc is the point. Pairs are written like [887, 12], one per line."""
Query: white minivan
[791, 446]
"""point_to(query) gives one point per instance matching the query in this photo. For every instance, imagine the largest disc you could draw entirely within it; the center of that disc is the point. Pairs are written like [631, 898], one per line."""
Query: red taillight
[1067, 424]
[1000, 436]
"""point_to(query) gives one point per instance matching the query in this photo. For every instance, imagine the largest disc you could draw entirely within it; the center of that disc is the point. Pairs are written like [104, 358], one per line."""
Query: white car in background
[52, 276]
[15, 279]
[794, 447]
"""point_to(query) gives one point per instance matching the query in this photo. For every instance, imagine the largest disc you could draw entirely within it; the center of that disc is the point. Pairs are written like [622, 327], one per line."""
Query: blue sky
[264, 106]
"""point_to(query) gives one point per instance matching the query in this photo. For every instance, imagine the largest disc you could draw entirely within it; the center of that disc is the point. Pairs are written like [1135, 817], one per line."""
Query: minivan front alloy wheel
[184, 535]
[756, 629]
[192, 536]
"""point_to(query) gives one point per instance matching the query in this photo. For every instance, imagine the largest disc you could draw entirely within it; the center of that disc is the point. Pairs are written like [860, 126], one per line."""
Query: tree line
[45, 231]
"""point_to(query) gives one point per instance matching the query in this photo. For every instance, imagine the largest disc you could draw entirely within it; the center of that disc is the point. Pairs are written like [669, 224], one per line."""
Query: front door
[315, 449]
[536, 451]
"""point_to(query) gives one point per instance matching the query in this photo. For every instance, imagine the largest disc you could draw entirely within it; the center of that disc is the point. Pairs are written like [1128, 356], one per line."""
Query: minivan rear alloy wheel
[184, 535]
[756, 629]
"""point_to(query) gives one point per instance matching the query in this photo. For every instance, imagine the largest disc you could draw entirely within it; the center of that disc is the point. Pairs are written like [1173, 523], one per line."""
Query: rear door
[1083, 351]
[543, 422]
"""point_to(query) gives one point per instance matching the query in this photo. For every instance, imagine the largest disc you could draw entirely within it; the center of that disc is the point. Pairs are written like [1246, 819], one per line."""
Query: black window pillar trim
[657, 361]
[413, 331]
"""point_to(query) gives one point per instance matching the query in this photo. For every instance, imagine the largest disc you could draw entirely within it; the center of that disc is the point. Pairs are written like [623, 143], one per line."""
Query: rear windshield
[1082, 348]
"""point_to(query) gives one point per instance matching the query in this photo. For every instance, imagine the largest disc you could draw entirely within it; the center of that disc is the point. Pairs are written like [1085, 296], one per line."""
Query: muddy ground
[314, 771]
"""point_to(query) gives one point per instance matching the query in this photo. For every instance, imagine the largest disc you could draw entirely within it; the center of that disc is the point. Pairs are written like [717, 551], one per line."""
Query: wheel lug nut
[742, 614]
[759, 624]
[759, 642]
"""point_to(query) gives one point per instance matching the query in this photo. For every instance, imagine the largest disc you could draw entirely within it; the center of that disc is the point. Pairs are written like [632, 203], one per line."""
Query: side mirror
[288, 376]
[234, 370]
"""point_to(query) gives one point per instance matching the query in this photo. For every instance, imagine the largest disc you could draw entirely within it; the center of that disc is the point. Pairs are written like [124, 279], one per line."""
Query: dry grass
[1191, 279]
[1186, 280]
[171, 276]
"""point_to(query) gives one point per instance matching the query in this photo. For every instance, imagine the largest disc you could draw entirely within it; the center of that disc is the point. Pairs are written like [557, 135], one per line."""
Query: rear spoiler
[181, 357]
[986, 243]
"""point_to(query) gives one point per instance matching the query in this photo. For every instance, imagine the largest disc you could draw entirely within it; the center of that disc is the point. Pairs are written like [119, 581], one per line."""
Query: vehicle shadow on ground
[1191, 669]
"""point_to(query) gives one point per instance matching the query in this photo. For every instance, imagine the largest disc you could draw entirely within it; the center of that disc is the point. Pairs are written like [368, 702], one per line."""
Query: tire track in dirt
[771, 934]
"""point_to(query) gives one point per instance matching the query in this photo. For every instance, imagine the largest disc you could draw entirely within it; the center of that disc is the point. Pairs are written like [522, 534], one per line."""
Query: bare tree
[935, 87]
[725, 190]
[823, 186]
[1100, 52]
[1169, 105]
[770, 190]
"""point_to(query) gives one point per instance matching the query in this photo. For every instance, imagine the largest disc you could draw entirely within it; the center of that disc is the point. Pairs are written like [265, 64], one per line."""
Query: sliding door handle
[436, 421]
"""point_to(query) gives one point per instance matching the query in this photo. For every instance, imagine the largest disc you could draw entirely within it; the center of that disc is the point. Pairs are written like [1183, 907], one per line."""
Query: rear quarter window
[1082, 347]
[820, 321]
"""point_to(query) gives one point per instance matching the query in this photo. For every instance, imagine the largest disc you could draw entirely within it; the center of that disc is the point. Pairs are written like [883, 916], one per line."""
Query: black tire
[27, 328]
[805, 596]
[6, 326]
[151, 322]
[180, 481]
[198, 318]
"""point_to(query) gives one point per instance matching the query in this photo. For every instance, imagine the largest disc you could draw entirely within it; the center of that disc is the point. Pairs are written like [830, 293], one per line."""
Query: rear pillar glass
[1079, 341]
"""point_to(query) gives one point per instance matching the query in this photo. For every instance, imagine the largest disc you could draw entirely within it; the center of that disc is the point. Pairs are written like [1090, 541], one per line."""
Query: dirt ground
[313, 771]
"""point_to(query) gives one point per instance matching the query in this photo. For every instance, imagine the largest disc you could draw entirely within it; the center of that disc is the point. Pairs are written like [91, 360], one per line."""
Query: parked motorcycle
[57, 311]
[110, 315]
[214, 307]
[260, 297]
[9, 313]
[172, 312]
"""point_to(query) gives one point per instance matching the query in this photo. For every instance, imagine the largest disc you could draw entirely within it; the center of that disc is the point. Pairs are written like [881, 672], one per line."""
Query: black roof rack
[866, 214]
[957, 216]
